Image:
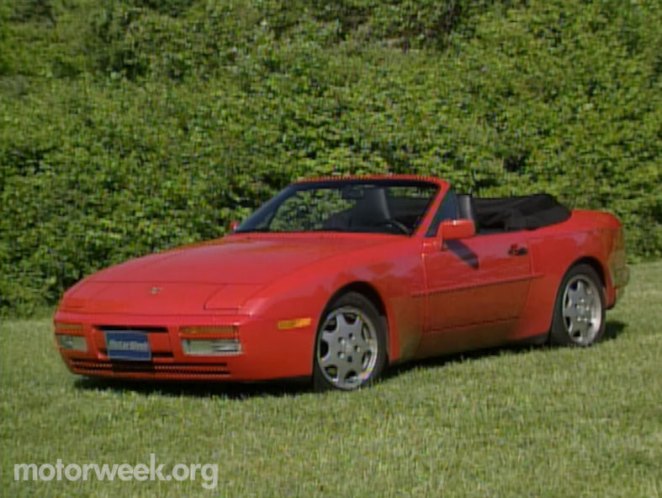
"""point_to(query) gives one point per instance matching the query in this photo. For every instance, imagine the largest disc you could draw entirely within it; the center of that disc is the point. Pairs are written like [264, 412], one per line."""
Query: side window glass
[448, 210]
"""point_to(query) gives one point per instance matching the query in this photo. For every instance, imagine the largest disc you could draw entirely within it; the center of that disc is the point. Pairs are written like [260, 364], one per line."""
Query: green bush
[131, 126]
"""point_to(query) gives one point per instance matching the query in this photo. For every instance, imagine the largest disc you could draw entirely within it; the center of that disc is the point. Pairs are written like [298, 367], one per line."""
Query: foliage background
[129, 126]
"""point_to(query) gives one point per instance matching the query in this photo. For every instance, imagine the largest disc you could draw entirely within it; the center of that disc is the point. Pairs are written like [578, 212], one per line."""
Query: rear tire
[350, 347]
[579, 311]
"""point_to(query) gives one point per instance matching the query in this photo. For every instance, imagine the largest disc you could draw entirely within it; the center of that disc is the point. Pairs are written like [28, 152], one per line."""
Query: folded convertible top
[519, 213]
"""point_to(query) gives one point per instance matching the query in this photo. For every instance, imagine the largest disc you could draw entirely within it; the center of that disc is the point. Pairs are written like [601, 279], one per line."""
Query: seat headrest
[372, 208]
[466, 207]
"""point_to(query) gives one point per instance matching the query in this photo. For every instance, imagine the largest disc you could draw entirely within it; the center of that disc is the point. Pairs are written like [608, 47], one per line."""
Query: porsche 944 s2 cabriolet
[334, 279]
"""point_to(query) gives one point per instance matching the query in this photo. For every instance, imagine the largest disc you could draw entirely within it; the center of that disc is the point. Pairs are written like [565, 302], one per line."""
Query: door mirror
[233, 225]
[456, 229]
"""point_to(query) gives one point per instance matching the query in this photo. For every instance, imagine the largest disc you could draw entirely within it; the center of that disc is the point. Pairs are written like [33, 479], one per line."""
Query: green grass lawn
[533, 422]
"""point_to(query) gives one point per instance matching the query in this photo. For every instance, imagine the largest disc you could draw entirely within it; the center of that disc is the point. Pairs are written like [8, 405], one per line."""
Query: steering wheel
[396, 224]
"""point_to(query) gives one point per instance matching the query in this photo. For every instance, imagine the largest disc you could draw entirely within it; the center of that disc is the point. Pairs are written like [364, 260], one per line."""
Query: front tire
[350, 347]
[579, 312]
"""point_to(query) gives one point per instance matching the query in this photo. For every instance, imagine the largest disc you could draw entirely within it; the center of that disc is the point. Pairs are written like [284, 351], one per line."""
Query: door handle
[517, 250]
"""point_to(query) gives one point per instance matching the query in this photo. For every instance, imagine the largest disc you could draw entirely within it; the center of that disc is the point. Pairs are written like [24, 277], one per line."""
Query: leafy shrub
[132, 126]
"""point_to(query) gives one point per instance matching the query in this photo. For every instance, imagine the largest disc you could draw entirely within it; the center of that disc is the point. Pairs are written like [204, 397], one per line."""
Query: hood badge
[155, 290]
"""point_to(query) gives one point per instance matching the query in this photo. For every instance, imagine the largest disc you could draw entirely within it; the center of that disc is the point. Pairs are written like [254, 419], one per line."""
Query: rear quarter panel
[588, 236]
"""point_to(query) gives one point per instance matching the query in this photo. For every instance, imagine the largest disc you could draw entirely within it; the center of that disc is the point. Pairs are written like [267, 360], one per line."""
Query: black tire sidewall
[320, 383]
[558, 333]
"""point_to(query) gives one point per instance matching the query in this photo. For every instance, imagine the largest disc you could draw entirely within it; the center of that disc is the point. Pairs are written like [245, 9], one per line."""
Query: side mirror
[233, 225]
[456, 229]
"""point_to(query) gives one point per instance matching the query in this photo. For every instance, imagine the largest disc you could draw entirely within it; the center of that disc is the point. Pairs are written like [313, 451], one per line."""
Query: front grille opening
[92, 367]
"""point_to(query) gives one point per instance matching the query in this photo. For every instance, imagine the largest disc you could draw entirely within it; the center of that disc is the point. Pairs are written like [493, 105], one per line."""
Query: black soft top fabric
[519, 213]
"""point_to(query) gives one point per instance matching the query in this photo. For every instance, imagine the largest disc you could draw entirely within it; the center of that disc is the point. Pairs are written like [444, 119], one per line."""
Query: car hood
[221, 274]
[232, 260]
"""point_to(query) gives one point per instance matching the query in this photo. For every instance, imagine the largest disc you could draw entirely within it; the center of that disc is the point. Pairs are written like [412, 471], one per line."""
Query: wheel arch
[593, 263]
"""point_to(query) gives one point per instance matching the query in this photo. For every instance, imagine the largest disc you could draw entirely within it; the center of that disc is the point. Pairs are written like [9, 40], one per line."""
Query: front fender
[394, 272]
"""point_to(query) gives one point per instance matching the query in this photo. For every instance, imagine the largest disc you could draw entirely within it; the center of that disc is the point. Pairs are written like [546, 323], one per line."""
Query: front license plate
[128, 345]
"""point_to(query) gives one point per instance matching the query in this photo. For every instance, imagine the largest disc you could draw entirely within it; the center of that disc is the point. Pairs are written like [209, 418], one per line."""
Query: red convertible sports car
[336, 278]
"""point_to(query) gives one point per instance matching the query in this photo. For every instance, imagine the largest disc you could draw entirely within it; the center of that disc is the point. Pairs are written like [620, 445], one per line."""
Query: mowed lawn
[529, 422]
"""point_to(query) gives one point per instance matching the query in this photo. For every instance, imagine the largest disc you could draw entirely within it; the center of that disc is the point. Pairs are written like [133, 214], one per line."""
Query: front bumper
[267, 352]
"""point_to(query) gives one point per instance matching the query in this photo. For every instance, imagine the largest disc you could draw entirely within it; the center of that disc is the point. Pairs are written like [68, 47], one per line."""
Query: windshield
[372, 206]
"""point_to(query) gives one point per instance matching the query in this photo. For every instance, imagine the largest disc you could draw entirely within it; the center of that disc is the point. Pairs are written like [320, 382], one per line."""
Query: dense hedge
[130, 126]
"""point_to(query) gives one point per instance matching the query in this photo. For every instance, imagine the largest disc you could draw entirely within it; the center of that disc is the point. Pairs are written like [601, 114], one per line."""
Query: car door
[481, 279]
[475, 288]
